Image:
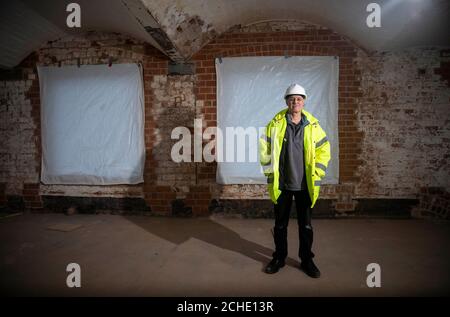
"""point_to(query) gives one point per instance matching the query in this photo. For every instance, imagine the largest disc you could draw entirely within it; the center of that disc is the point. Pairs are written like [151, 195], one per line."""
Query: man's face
[295, 103]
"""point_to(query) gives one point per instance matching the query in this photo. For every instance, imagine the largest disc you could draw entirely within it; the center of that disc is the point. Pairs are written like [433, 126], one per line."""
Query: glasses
[295, 99]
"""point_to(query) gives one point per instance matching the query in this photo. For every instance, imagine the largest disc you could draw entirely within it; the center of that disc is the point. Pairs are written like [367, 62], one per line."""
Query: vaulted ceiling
[179, 28]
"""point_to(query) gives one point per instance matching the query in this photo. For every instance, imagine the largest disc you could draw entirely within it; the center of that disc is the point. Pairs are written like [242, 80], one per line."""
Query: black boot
[274, 266]
[310, 268]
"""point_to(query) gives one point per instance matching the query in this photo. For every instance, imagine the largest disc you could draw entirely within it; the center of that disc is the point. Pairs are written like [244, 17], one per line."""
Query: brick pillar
[31, 196]
[198, 198]
[159, 198]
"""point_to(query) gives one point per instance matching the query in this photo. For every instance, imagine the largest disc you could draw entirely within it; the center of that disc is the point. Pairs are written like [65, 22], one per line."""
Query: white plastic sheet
[92, 123]
[250, 92]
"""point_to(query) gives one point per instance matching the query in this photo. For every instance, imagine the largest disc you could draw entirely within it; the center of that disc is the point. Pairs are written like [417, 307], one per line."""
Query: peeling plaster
[188, 32]
[190, 24]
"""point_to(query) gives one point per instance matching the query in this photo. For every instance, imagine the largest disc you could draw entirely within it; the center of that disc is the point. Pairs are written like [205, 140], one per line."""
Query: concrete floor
[158, 256]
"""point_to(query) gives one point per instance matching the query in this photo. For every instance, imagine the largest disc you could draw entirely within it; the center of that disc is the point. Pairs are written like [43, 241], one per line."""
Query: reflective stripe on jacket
[316, 153]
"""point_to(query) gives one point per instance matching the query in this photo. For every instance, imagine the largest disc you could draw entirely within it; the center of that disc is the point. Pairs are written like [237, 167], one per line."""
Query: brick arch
[312, 41]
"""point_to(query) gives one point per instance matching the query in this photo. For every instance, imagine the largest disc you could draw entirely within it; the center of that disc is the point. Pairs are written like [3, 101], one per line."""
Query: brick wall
[393, 123]
[19, 148]
[393, 110]
[173, 106]
[20, 109]
[404, 115]
[280, 38]
[169, 102]
[105, 48]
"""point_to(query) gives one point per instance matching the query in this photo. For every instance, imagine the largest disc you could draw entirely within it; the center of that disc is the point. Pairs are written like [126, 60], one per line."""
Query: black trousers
[305, 231]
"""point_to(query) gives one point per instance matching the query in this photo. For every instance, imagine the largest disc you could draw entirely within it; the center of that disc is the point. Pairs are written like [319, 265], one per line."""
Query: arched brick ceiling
[180, 28]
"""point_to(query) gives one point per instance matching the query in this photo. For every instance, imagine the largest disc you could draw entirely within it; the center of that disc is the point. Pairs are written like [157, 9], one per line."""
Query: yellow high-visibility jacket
[316, 153]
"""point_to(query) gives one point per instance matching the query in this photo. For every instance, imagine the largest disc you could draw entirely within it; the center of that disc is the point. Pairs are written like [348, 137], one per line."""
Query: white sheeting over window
[250, 92]
[92, 123]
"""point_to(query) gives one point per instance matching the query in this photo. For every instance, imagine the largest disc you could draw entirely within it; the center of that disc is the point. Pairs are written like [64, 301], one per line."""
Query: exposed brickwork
[199, 198]
[434, 203]
[242, 191]
[173, 106]
[169, 102]
[414, 80]
[404, 114]
[159, 198]
[295, 39]
[393, 118]
[118, 191]
[31, 196]
[97, 48]
[19, 147]
[93, 48]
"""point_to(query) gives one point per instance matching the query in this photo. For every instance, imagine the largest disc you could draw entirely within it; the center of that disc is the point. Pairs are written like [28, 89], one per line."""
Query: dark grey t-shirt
[292, 166]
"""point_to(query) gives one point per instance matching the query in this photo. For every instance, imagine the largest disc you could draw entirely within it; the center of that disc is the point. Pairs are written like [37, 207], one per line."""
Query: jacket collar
[282, 115]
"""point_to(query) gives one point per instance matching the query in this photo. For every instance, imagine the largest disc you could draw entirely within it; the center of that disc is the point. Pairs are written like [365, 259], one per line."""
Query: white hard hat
[295, 89]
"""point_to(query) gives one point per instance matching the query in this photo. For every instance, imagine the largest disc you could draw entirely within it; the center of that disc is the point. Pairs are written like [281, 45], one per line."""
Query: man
[294, 154]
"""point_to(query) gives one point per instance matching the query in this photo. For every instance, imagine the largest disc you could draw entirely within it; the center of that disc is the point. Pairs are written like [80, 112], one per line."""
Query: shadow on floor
[179, 230]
